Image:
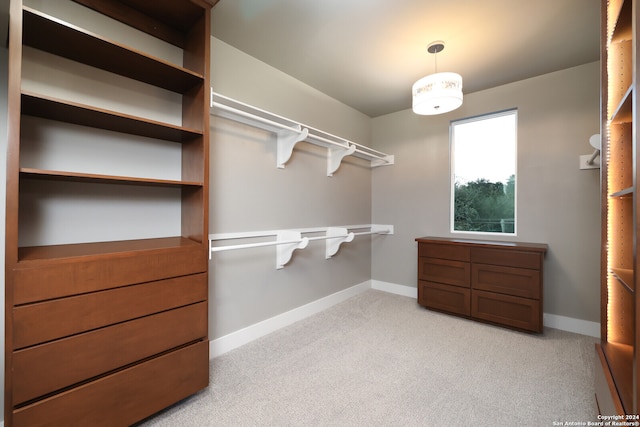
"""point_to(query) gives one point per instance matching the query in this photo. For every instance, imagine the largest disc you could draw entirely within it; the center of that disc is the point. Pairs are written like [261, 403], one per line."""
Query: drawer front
[62, 279]
[49, 367]
[443, 251]
[515, 312]
[507, 257]
[452, 299]
[126, 396]
[520, 282]
[47, 321]
[443, 271]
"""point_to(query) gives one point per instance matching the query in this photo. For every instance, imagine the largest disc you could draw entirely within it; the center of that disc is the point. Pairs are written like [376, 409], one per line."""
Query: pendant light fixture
[437, 93]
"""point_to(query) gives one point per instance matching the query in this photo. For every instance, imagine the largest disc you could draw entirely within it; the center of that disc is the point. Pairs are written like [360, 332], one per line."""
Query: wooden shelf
[620, 360]
[64, 252]
[623, 113]
[168, 21]
[60, 38]
[625, 193]
[80, 114]
[624, 28]
[625, 277]
[29, 173]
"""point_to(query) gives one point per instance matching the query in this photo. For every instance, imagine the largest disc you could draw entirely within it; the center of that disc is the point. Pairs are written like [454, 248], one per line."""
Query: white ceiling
[368, 53]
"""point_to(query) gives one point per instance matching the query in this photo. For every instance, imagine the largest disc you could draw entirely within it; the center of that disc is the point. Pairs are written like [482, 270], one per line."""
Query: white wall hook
[589, 161]
[286, 141]
[335, 156]
[288, 241]
[335, 237]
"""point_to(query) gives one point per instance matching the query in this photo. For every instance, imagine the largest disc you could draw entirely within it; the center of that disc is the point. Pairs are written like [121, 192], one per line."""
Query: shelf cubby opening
[55, 36]
[620, 158]
[75, 113]
[620, 75]
[623, 29]
[620, 360]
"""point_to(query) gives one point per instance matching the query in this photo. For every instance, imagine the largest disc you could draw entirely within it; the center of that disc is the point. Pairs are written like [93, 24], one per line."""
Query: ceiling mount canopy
[437, 93]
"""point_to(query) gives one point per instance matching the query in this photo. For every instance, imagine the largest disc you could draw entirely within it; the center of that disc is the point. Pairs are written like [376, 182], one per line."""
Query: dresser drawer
[50, 320]
[126, 396]
[443, 251]
[455, 273]
[515, 312]
[507, 257]
[52, 366]
[94, 273]
[520, 282]
[452, 299]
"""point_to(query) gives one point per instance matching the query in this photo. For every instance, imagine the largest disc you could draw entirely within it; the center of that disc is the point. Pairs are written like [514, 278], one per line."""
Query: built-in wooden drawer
[516, 312]
[452, 299]
[48, 367]
[50, 320]
[48, 279]
[443, 251]
[455, 273]
[126, 396]
[520, 282]
[507, 257]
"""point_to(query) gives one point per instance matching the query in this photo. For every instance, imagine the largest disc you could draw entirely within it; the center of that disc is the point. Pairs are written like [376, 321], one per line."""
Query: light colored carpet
[379, 359]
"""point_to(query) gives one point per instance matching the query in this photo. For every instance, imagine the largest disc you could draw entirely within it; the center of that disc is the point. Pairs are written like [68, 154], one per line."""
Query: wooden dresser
[495, 282]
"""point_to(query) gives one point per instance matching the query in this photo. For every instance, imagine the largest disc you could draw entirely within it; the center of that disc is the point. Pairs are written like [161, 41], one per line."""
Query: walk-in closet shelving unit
[290, 132]
[106, 331]
[287, 241]
[618, 373]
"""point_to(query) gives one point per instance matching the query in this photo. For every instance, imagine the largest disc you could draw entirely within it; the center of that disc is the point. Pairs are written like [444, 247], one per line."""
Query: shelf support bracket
[335, 156]
[286, 141]
[284, 251]
[335, 237]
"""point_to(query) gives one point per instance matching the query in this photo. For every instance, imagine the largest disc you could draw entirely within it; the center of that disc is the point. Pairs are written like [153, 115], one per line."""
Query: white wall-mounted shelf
[289, 133]
[287, 241]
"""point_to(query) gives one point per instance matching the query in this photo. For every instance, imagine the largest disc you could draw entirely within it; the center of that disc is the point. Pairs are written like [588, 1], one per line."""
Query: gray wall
[248, 193]
[557, 204]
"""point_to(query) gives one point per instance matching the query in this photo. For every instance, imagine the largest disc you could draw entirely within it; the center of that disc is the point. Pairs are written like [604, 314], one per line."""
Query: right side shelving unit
[617, 377]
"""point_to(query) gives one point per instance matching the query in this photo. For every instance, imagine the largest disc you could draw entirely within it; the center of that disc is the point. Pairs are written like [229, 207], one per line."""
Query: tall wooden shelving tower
[617, 376]
[107, 332]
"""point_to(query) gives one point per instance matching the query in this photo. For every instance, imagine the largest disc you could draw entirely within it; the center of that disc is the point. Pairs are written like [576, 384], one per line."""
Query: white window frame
[512, 111]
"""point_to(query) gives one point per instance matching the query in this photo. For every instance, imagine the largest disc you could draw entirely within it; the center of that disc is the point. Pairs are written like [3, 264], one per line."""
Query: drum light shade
[437, 93]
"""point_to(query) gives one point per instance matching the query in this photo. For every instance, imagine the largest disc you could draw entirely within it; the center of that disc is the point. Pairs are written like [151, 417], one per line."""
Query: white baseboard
[393, 288]
[243, 336]
[570, 324]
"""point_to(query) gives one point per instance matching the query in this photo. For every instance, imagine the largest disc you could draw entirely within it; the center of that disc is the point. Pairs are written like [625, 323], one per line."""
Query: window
[483, 173]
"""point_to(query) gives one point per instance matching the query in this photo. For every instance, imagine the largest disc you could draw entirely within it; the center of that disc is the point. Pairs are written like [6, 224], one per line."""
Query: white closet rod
[254, 117]
[287, 241]
[254, 245]
[290, 132]
[307, 230]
